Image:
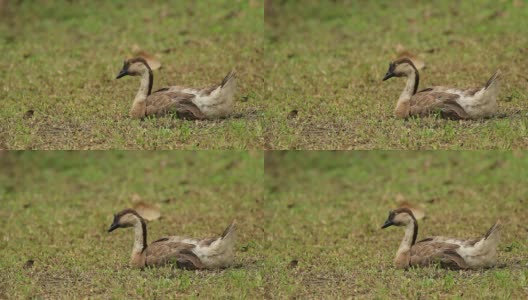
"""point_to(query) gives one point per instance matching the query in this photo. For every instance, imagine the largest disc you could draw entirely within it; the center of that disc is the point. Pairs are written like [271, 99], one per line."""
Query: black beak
[388, 75]
[390, 72]
[387, 224]
[122, 73]
[113, 227]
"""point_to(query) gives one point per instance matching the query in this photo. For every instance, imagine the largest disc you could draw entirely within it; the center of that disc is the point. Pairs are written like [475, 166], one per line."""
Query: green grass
[57, 206]
[326, 60]
[60, 59]
[325, 210]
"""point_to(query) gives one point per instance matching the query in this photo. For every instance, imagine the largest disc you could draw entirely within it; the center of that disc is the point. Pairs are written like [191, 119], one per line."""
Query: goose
[451, 103]
[215, 101]
[185, 253]
[448, 252]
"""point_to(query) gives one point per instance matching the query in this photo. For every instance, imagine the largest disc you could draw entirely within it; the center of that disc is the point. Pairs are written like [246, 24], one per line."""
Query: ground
[324, 212]
[60, 60]
[57, 206]
[325, 61]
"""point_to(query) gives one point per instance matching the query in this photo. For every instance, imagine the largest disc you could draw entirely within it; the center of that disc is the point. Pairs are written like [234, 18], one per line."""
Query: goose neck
[145, 88]
[138, 258]
[140, 237]
[411, 232]
[413, 80]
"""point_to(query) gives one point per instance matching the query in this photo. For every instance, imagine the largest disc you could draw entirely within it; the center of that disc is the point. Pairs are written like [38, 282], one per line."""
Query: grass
[325, 60]
[60, 60]
[309, 227]
[324, 211]
[57, 206]
[310, 72]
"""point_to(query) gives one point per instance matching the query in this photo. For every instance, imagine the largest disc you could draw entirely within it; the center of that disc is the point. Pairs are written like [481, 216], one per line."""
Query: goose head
[134, 67]
[125, 218]
[400, 68]
[399, 217]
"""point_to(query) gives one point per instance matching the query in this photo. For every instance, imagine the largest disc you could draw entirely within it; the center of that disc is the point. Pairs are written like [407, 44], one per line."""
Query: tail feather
[493, 230]
[493, 79]
[229, 230]
[229, 77]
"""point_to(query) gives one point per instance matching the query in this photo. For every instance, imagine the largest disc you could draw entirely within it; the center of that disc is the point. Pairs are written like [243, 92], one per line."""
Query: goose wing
[163, 251]
[427, 252]
[163, 102]
[429, 101]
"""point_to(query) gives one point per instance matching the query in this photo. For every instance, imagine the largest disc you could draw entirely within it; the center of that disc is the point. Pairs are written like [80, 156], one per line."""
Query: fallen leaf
[497, 14]
[152, 61]
[433, 200]
[232, 15]
[168, 50]
[417, 210]
[293, 264]
[135, 198]
[29, 264]
[29, 114]
[399, 48]
[401, 52]
[417, 62]
[147, 211]
[168, 200]
[293, 114]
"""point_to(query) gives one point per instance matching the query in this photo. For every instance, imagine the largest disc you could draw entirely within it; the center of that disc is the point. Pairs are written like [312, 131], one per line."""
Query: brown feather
[161, 90]
[427, 253]
[229, 229]
[189, 261]
[165, 252]
[228, 77]
[160, 240]
[179, 103]
[425, 103]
